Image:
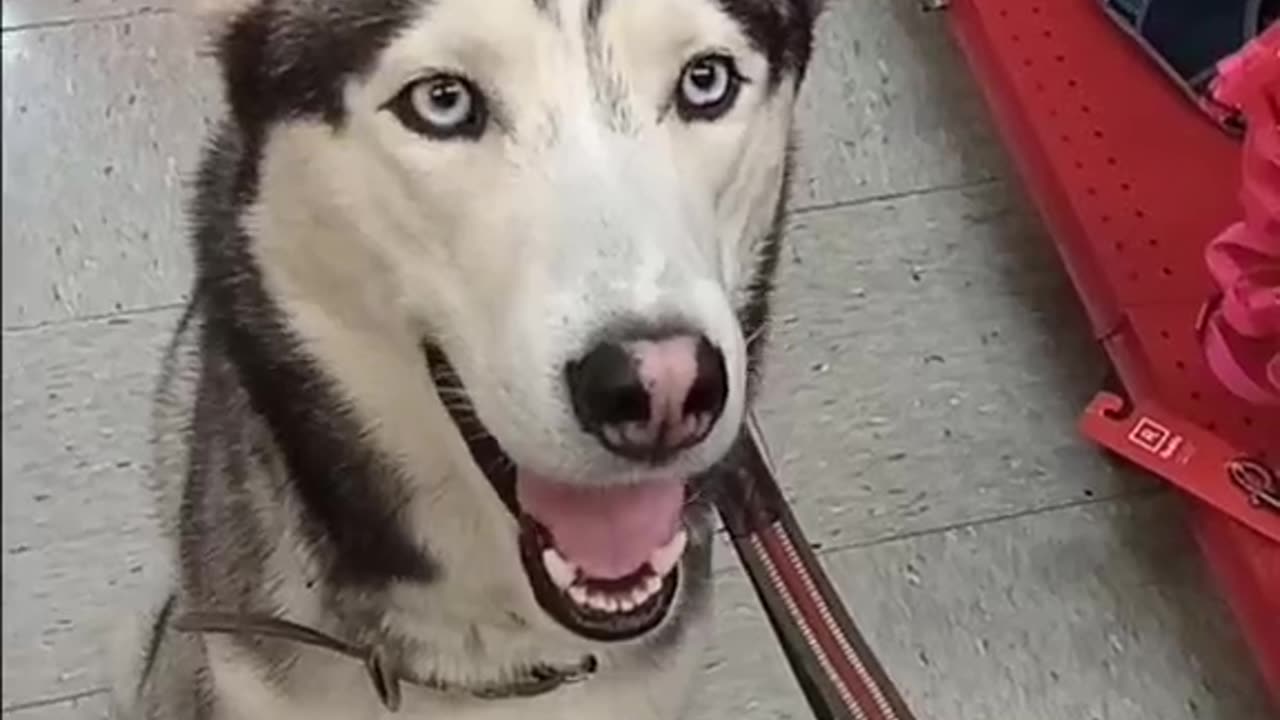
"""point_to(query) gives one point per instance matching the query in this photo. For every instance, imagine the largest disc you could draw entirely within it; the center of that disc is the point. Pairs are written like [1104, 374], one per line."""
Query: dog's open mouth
[602, 561]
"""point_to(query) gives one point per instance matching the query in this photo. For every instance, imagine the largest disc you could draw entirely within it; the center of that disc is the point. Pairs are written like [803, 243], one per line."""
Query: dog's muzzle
[603, 561]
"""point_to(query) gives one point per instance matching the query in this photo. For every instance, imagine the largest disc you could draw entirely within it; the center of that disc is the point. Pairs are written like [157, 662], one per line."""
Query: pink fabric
[1242, 330]
[608, 532]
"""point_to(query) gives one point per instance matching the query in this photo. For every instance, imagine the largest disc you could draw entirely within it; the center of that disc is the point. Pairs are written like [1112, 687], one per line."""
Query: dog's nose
[646, 399]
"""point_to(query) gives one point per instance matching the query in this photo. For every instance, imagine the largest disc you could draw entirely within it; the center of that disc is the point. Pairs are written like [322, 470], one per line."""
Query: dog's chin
[602, 561]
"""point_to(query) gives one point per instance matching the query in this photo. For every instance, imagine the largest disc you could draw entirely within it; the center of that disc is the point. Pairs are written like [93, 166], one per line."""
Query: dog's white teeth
[614, 603]
[652, 585]
[693, 425]
[561, 571]
[613, 435]
[603, 603]
[702, 424]
[638, 433]
[665, 558]
[567, 577]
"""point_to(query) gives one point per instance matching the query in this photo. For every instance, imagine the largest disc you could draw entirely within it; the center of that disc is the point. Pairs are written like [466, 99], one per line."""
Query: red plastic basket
[1133, 182]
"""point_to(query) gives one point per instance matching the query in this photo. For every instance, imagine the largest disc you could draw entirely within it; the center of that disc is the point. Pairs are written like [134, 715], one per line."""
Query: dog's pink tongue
[607, 532]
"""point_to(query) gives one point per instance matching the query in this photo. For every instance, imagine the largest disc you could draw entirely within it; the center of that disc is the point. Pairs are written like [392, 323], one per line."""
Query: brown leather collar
[386, 679]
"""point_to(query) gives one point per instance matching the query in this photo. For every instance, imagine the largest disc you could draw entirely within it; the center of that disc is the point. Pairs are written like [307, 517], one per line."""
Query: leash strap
[836, 670]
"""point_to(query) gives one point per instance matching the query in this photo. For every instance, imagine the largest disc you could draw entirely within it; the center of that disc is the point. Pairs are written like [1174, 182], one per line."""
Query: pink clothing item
[1241, 330]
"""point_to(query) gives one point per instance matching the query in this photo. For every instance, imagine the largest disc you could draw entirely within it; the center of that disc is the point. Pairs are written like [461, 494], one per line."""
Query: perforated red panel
[1133, 182]
[1142, 182]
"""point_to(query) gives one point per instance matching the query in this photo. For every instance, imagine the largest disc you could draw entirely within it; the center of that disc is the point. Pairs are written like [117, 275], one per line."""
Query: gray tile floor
[927, 368]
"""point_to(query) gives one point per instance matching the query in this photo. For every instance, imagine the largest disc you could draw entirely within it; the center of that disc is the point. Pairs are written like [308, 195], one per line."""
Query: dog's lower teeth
[652, 585]
[566, 576]
[622, 602]
[561, 571]
[665, 558]
[638, 433]
[601, 603]
[613, 434]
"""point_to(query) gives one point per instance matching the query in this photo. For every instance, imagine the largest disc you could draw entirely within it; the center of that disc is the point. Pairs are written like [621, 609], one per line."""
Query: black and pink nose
[648, 398]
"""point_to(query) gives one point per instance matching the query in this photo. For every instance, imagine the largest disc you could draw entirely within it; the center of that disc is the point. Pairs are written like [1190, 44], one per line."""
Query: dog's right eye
[441, 107]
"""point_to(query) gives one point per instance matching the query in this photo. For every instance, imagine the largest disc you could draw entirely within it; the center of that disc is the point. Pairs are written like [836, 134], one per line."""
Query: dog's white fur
[514, 250]
[511, 252]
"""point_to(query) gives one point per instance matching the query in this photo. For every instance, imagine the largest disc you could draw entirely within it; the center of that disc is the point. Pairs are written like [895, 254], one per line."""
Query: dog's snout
[648, 398]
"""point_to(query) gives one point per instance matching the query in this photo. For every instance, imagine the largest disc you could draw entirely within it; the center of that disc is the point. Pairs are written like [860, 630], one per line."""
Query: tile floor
[927, 368]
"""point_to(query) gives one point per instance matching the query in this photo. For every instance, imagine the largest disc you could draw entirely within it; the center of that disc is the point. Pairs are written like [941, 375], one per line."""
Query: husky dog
[480, 293]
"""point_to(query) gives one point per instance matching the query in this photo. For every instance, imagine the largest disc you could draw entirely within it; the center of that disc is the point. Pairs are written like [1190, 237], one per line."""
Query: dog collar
[385, 677]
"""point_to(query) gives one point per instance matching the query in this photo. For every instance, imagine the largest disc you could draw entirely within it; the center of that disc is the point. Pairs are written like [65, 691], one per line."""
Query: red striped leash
[836, 670]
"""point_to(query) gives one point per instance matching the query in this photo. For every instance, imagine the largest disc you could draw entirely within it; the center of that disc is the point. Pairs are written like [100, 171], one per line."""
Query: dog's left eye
[708, 87]
[442, 107]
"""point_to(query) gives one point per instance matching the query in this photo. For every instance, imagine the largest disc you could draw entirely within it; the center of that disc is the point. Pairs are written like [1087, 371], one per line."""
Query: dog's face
[572, 203]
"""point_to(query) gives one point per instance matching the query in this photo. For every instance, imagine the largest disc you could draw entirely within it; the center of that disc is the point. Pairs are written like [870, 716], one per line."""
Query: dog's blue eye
[441, 107]
[708, 87]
